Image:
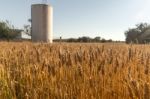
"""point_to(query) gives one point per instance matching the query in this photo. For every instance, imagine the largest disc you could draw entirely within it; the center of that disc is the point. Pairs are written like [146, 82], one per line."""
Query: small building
[23, 35]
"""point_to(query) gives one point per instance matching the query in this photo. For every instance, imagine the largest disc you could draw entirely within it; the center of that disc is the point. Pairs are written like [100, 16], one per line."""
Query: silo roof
[40, 4]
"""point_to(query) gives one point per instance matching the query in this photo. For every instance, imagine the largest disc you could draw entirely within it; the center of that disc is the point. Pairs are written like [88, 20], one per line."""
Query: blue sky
[73, 18]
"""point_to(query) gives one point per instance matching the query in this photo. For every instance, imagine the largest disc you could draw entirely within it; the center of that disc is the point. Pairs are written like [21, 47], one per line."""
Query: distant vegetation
[84, 39]
[7, 31]
[139, 34]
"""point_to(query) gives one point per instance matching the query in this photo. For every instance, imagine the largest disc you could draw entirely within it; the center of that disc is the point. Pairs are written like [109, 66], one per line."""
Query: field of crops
[74, 71]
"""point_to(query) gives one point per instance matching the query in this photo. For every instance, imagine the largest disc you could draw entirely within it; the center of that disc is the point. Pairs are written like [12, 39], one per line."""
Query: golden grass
[74, 71]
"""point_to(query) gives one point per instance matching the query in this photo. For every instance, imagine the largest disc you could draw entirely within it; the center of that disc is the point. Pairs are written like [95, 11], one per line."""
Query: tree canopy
[7, 30]
[138, 34]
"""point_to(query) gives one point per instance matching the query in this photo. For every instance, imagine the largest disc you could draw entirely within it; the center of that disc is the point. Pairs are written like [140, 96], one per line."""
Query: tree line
[84, 39]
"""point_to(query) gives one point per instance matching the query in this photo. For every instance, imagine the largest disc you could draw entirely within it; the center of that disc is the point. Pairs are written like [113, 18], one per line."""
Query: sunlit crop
[74, 71]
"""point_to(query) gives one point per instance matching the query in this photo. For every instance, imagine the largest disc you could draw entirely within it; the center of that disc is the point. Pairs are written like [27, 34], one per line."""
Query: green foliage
[137, 34]
[84, 39]
[97, 39]
[7, 31]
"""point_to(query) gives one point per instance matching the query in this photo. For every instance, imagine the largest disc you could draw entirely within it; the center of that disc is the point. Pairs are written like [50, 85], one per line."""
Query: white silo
[42, 23]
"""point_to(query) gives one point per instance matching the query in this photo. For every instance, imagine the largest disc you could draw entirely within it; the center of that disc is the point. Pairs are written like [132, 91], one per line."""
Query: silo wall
[42, 23]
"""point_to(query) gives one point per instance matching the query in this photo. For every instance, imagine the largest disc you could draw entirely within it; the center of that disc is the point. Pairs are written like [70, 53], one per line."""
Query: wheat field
[74, 71]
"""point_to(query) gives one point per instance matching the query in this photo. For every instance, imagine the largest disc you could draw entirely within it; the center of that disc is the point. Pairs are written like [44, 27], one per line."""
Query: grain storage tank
[42, 23]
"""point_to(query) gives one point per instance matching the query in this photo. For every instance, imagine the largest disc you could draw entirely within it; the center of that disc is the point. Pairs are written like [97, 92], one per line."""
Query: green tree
[7, 31]
[84, 39]
[134, 35]
[97, 39]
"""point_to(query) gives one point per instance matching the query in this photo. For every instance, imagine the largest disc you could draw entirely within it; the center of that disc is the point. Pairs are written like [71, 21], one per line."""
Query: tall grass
[74, 71]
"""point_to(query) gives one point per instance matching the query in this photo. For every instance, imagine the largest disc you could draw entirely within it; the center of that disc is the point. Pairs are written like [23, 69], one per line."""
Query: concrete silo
[42, 23]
